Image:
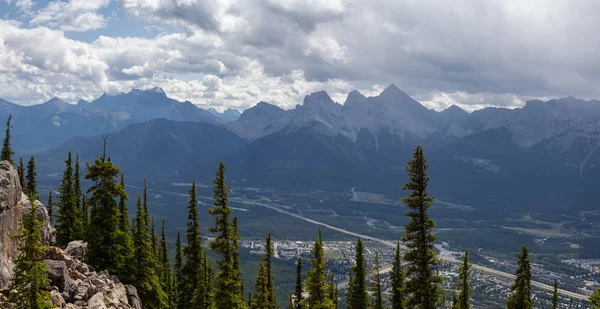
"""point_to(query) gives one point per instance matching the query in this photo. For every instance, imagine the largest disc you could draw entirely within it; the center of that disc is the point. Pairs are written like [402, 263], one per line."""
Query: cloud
[236, 53]
[72, 15]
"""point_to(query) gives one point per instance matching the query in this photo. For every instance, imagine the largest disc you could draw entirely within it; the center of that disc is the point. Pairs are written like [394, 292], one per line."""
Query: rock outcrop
[13, 206]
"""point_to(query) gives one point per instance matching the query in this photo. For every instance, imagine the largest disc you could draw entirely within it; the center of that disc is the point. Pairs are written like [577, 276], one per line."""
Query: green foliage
[261, 294]
[7, 151]
[454, 304]
[21, 172]
[424, 285]
[463, 284]
[50, 206]
[69, 226]
[359, 298]
[146, 279]
[78, 196]
[229, 284]
[316, 284]
[333, 291]
[193, 278]
[165, 274]
[397, 276]
[179, 278]
[30, 179]
[521, 288]
[298, 289]
[109, 247]
[595, 299]
[269, 250]
[30, 279]
[378, 293]
[555, 295]
[123, 212]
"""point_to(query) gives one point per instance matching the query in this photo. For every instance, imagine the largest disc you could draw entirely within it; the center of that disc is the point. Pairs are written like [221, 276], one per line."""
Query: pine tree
[455, 301]
[236, 254]
[269, 250]
[154, 241]
[7, 151]
[360, 298]
[108, 246]
[165, 275]
[298, 289]
[21, 172]
[316, 284]
[30, 280]
[521, 288]
[555, 295]
[424, 285]
[68, 224]
[261, 294]
[228, 286]
[146, 279]
[179, 277]
[50, 207]
[85, 205]
[333, 291]
[397, 275]
[77, 195]
[192, 268]
[595, 299]
[463, 284]
[209, 298]
[30, 179]
[378, 293]
[123, 212]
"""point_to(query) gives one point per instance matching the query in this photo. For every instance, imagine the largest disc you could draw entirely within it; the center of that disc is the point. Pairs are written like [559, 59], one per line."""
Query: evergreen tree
[269, 250]
[165, 275]
[316, 284]
[228, 286]
[333, 291]
[236, 254]
[146, 279]
[555, 295]
[108, 246]
[378, 293]
[192, 268]
[50, 207]
[455, 301]
[397, 275]
[7, 151]
[595, 299]
[179, 277]
[123, 212]
[360, 298]
[298, 289]
[154, 241]
[68, 224]
[78, 195]
[463, 284]
[85, 204]
[521, 288]
[30, 179]
[424, 284]
[261, 294]
[30, 279]
[21, 172]
[209, 298]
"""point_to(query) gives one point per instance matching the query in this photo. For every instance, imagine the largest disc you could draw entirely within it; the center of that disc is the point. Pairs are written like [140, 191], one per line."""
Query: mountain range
[542, 156]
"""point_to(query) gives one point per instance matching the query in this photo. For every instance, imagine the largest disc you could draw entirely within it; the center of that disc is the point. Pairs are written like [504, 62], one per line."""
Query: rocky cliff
[74, 284]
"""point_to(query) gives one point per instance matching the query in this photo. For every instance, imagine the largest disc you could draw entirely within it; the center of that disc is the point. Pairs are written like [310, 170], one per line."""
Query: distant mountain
[47, 125]
[227, 115]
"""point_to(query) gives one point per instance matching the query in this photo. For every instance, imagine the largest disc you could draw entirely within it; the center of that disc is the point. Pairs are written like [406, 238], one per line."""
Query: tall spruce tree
[192, 253]
[30, 281]
[555, 295]
[165, 275]
[424, 284]
[7, 152]
[269, 250]
[146, 279]
[68, 221]
[228, 286]
[464, 285]
[85, 205]
[78, 195]
[123, 212]
[316, 283]
[298, 288]
[50, 206]
[21, 172]
[397, 276]
[521, 288]
[154, 241]
[260, 300]
[31, 182]
[108, 245]
[359, 296]
[236, 255]
[333, 291]
[595, 299]
[454, 304]
[378, 292]
[180, 288]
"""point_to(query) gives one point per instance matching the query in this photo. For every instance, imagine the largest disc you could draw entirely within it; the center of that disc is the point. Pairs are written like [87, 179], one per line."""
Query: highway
[393, 244]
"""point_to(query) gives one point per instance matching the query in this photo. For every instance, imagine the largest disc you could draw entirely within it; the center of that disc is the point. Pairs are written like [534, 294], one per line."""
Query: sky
[226, 53]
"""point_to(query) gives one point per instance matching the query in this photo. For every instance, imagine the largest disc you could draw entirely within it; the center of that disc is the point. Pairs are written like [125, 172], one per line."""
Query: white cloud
[72, 15]
[24, 5]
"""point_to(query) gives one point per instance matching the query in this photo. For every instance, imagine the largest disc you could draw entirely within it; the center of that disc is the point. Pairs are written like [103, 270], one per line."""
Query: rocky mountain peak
[354, 98]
